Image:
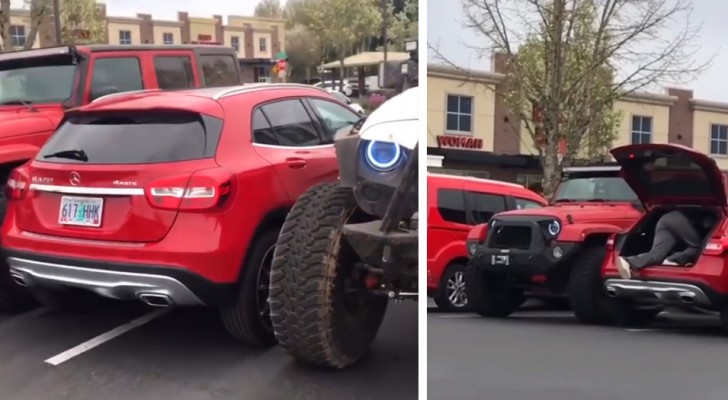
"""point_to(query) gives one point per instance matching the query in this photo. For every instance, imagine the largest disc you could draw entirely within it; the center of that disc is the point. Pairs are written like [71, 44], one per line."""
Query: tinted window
[523, 204]
[49, 83]
[485, 205]
[291, 123]
[139, 137]
[219, 70]
[174, 72]
[334, 116]
[116, 75]
[451, 205]
[262, 131]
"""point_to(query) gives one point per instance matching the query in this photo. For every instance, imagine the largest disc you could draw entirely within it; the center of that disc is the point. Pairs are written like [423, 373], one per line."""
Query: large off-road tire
[451, 294]
[586, 291]
[13, 297]
[318, 314]
[490, 295]
[248, 317]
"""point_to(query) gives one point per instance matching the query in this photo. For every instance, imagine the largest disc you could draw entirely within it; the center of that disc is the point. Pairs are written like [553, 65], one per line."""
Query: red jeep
[668, 177]
[171, 198]
[550, 252]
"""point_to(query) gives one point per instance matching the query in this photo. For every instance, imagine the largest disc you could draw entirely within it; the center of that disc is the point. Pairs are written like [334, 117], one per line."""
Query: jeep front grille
[511, 237]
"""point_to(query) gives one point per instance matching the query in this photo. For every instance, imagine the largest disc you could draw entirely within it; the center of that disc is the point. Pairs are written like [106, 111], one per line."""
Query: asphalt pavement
[546, 355]
[121, 351]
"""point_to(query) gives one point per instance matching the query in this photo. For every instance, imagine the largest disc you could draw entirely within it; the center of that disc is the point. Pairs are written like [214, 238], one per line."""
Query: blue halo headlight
[554, 228]
[382, 156]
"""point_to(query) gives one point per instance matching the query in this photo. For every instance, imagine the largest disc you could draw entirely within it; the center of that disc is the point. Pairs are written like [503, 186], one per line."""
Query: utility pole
[57, 21]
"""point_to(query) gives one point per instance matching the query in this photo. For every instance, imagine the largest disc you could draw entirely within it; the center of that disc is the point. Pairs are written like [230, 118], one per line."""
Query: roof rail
[108, 96]
[474, 179]
[261, 86]
[599, 168]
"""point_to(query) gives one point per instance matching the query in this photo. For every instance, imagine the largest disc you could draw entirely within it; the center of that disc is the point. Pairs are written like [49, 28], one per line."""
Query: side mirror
[103, 91]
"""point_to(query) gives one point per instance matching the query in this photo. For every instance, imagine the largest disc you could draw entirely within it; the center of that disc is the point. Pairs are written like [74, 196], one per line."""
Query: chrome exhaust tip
[156, 300]
[19, 280]
[687, 297]
[611, 291]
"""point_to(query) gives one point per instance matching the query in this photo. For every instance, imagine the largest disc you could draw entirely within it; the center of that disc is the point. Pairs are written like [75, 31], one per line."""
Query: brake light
[716, 246]
[17, 185]
[202, 191]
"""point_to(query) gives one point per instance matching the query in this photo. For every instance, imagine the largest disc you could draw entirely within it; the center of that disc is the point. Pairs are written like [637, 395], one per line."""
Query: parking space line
[104, 337]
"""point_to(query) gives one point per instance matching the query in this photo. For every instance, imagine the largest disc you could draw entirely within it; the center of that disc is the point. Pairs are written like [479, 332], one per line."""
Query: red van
[454, 205]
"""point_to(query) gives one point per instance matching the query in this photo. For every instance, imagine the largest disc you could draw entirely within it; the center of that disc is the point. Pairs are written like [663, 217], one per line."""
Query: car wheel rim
[456, 290]
[264, 288]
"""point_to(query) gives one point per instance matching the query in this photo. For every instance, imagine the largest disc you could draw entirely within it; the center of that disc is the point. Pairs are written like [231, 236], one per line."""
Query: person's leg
[663, 242]
[685, 257]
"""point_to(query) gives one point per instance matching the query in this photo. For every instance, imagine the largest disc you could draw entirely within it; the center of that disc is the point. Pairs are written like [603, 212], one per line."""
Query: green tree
[403, 25]
[342, 24]
[576, 59]
[82, 22]
[269, 9]
[304, 50]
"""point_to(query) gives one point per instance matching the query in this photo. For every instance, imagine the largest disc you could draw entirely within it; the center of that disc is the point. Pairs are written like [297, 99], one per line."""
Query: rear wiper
[19, 101]
[79, 155]
[597, 201]
[564, 200]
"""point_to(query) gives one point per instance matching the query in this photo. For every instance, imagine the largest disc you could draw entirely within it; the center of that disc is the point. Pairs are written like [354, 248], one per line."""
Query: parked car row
[569, 248]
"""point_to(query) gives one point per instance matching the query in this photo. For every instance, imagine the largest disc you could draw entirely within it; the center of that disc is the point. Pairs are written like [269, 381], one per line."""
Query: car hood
[395, 121]
[591, 212]
[671, 174]
[15, 122]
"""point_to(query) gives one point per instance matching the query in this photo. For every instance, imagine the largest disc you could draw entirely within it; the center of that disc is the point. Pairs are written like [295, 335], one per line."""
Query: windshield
[595, 189]
[41, 84]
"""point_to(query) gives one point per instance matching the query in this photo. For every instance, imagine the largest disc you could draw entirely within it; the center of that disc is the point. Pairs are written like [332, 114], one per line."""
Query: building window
[168, 38]
[124, 37]
[459, 114]
[719, 140]
[262, 44]
[261, 74]
[641, 129]
[17, 35]
[235, 43]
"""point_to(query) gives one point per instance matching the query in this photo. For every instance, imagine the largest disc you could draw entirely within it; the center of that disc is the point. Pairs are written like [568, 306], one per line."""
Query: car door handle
[295, 163]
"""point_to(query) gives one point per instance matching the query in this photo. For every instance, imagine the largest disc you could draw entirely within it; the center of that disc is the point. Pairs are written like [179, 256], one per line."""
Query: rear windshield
[673, 176]
[140, 137]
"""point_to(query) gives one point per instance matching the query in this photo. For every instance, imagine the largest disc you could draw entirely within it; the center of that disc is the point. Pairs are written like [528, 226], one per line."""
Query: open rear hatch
[121, 176]
[671, 174]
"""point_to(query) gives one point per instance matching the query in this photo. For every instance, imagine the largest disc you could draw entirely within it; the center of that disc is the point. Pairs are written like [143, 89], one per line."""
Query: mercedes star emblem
[75, 178]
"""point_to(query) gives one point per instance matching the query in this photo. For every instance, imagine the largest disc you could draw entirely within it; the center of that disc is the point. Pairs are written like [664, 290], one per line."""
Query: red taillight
[716, 246]
[17, 185]
[201, 191]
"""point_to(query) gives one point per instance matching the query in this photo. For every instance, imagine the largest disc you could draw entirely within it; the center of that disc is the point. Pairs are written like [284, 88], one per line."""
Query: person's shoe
[668, 262]
[623, 267]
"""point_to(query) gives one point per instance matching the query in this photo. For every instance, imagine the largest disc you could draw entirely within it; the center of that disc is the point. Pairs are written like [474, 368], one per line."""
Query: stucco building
[258, 41]
[471, 132]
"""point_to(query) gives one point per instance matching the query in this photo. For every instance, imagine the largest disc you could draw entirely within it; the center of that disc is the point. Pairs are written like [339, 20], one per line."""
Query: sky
[445, 32]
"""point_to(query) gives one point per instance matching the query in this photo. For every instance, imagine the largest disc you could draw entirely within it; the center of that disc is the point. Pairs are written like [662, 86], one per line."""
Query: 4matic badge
[124, 183]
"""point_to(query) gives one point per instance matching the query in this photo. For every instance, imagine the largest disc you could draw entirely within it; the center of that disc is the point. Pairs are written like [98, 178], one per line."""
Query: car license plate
[81, 211]
[500, 260]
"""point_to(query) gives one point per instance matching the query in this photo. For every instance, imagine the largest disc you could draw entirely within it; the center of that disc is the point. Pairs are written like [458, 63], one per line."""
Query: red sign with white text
[461, 142]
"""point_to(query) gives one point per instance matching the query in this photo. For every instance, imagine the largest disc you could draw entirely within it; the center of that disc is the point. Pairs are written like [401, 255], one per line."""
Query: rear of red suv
[167, 198]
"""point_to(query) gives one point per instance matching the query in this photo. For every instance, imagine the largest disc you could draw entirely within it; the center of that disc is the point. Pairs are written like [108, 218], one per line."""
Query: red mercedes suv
[172, 198]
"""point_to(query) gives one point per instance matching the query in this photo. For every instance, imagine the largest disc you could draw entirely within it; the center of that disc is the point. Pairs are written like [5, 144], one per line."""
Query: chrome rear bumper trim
[101, 191]
[668, 292]
[112, 284]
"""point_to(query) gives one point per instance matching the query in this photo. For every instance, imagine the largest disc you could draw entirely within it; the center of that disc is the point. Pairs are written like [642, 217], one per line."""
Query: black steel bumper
[532, 253]
[392, 240]
[538, 261]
